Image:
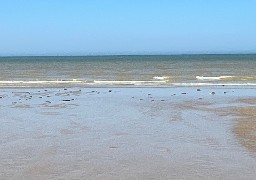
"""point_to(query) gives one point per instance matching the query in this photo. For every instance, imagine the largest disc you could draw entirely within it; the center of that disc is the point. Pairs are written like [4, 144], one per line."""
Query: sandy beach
[128, 133]
[127, 90]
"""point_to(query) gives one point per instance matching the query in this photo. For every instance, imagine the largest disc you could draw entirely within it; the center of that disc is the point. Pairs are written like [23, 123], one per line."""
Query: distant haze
[97, 27]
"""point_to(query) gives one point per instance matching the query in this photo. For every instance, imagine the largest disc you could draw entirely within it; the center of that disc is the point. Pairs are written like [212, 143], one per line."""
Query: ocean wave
[79, 82]
[42, 82]
[230, 78]
[212, 84]
[213, 78]
[128, 82]
[103, 83]
[161, 77]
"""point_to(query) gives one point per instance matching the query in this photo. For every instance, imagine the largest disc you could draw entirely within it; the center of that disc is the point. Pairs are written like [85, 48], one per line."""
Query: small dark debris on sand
[113, 147]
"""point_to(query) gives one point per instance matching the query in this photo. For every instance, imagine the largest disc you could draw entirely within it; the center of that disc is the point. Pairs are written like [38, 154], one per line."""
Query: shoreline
[214, 86]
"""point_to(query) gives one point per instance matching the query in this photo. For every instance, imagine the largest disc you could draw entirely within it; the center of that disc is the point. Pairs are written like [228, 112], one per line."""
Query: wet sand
[128, 133]
[245, 125]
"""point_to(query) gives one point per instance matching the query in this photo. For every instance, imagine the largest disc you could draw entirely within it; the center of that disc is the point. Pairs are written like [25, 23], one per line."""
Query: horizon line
[95, 55]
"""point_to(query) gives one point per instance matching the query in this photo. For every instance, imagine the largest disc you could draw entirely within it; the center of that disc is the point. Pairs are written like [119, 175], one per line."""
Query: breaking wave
[103, 83]
[230, 78]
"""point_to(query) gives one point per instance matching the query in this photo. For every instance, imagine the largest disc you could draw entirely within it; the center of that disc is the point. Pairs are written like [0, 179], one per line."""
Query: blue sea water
[159, 70]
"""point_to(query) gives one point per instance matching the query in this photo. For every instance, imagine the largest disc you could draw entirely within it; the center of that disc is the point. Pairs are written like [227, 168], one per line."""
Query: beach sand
[128, 133]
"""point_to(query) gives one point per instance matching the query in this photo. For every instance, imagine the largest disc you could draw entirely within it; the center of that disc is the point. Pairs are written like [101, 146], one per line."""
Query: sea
[128, 71]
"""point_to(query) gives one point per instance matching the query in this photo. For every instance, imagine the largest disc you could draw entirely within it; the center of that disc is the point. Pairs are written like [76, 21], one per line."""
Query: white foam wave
[114, 83]
[161, 77]
[81, 82]
[128, 82]
[213, 78]
[42, 82]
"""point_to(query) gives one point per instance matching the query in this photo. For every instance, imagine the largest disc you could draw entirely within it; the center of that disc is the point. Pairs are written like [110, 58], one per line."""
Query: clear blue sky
[82, 27]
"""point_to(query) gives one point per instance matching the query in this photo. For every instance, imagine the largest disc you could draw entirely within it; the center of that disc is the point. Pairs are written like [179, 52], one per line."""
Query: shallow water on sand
[123, 133]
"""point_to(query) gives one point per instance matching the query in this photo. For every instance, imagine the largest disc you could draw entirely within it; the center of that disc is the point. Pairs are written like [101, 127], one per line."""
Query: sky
[105, 27]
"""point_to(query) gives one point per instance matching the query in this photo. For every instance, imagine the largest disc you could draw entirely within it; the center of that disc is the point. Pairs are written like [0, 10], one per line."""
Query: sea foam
[213, 78]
